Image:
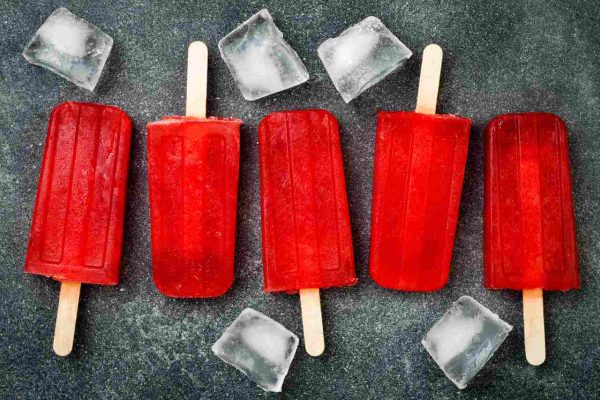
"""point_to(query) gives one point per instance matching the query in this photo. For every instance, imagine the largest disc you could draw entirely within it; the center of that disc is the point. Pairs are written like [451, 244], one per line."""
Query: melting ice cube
[71, 47]
[361, 56]
[464, 339]
[259, 347]
[260, 60]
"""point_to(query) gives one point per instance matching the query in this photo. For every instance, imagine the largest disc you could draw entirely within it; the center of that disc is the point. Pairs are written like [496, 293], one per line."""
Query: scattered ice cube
[70, 47]
[361, 56]
[260, 60]
[259, 347]
[464, 339]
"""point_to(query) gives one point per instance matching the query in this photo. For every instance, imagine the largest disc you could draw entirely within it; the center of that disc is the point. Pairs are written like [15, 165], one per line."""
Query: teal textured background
[131, 342]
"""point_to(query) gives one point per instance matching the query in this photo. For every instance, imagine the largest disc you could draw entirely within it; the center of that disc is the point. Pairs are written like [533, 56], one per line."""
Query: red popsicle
[529, 223]
[419, 167]
[306, 235]
[193, 165]
[193, 172]
[77, 228]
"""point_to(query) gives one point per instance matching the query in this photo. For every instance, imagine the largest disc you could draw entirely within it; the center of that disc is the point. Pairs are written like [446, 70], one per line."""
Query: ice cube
[260, 60]
[259, 347]
[361, 56]
[70, 47]
[464, 339]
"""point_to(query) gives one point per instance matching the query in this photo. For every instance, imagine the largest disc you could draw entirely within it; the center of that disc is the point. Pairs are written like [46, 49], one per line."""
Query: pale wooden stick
[66, 317]
[197, 72]
[312, 321]
[429, 82]
[533, 324]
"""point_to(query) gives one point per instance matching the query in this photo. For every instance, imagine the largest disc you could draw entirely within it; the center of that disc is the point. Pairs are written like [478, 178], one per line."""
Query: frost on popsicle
[259, 59]
[70, 47]
[261, 348]
[464, 339]
[361, 56]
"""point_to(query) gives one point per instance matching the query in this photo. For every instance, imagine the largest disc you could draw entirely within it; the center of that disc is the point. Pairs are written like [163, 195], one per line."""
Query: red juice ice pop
[193, 165]
[193, 171]
[419, 167]
[77, 229]
[529, 226]
[306, 235]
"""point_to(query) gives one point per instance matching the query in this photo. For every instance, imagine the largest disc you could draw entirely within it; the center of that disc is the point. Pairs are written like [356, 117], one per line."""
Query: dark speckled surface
[131, 342]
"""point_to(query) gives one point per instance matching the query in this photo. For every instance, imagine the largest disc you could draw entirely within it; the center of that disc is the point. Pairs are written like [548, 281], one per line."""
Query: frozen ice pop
[529, 223]
[77, 228]
[419, 167]
[193, 165]
[306, 234]
[193, 171]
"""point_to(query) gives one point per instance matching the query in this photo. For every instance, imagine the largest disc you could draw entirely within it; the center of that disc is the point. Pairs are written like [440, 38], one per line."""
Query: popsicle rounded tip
[314, 349]
[434, 49]
[198, 46]
[61, 349]
[535, 359]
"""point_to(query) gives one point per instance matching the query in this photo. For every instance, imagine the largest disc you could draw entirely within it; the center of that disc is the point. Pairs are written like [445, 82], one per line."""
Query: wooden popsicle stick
[66, 317]
[312, 321]
[429, 81]
[533, 324]
[197, 77]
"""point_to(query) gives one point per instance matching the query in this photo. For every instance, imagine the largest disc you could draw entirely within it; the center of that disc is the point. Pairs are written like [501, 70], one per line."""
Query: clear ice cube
[70, 47]
[464, 339]
[260, 60]
[261, 348]
[361, 56]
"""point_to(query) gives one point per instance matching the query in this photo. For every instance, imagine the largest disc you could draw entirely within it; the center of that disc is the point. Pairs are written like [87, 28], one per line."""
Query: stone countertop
[132, 342]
